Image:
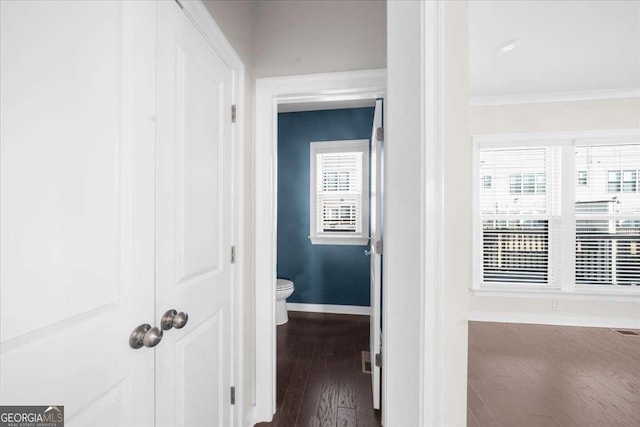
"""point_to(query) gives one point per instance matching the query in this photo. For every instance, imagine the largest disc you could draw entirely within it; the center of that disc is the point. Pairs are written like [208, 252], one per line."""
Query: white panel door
[193, 372]
[376, 251]
[76, 197]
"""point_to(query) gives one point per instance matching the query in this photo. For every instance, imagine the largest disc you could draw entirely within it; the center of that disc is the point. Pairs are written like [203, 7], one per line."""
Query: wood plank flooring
[319, 380]
[519, 375]
[537, 375]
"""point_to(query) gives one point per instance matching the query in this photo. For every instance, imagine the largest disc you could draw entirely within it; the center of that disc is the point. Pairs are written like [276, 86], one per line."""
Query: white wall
[550, 117]
[316, 36]
[403, 210]
[457, 213]
[556, 116]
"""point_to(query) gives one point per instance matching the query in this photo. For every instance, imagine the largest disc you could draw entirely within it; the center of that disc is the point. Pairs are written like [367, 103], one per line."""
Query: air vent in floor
[627, 332]
[366, 362]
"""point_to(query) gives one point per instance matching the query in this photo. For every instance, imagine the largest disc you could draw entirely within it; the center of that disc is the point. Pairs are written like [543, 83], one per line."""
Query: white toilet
[284, 291]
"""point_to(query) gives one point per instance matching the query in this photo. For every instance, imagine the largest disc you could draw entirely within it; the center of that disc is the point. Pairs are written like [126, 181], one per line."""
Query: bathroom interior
[323, 290]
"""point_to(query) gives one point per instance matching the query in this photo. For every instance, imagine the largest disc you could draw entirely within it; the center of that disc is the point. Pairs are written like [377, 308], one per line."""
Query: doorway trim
[270, 92]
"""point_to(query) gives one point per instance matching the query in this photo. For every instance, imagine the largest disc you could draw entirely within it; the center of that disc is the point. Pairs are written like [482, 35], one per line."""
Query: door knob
[180, 320]
[136, 339]
[152, 337]
[173, 319]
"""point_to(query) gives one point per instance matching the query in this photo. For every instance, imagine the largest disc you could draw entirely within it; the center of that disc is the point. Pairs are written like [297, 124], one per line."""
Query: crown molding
[539, 98]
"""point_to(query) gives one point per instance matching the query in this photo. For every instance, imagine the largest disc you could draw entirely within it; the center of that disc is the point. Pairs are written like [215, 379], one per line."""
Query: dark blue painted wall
[322, 274]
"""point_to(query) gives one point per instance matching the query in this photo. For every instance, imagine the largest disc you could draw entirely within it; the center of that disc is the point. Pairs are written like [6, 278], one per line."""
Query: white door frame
[413, 378]
[414, 371]
[200, 16]
[343, 86]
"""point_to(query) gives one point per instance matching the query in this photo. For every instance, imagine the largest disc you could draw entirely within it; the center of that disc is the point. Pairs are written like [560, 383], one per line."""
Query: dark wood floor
[535, 375]
[519, 375]
[320, 382]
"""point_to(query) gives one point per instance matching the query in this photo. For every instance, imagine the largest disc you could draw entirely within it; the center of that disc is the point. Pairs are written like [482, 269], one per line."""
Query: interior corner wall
[553, 117]
[322, 274]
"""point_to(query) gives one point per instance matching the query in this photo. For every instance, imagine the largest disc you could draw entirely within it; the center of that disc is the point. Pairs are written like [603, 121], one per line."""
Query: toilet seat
[284, 285]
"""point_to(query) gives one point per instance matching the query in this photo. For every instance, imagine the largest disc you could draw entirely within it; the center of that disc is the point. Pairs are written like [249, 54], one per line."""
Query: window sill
[595, 293]
[339, 240]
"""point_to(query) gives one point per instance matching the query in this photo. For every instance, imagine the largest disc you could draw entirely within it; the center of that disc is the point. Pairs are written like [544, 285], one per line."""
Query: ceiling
[556, 47]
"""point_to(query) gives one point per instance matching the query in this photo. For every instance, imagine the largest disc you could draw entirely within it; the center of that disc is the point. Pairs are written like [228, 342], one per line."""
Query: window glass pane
[608, 225]
[613, 184]
[339, 187]
[528, 183]
[516, 251]
[515, 183]
[515, 240]
[518, 181]
[541, 183]
[582, 178]
[629, 181]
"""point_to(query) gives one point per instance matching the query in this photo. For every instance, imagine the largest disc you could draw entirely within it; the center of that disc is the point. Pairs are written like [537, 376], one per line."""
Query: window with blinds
[339, 196]
[562, 211]
[608, 215]
[515, 213]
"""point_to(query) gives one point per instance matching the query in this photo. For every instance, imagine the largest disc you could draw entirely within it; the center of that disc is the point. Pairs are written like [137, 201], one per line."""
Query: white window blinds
[339, 193]
[608, 215]
[558, 211]
[516, 214]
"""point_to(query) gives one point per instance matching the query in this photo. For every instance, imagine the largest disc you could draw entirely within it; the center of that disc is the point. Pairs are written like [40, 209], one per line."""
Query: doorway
[348, 87]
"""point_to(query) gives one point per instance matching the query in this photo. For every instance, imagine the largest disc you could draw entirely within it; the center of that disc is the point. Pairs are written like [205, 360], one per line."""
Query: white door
[76, 207]
[193, 237]
[376, 250]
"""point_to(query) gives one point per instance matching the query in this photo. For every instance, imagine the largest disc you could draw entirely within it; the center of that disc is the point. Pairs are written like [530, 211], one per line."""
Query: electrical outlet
[555, 305]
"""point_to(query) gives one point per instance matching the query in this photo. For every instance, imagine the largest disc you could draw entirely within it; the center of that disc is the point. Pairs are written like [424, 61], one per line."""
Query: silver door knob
[173, 319]
[367, 252]
[136, 339]
[180, 320]
[152, 337]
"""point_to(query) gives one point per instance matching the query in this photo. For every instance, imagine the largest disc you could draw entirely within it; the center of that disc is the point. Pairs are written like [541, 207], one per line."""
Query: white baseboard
[560, 320]
[329, 308]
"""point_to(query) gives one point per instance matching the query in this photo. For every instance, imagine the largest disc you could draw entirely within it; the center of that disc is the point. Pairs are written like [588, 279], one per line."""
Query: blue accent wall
[322, 274]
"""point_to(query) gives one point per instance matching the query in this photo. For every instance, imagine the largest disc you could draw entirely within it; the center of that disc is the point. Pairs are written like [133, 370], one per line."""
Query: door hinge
[380, 134]
[378, 247]
[378, 360]
[233, 113]
[233, 254]
[179, 4]
[233, 395]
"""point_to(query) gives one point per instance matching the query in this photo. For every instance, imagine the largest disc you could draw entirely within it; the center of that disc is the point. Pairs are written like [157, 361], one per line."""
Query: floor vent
[626, 332]
[366, 362]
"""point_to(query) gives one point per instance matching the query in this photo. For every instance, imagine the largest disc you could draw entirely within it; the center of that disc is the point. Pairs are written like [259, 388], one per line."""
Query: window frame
[339, 237]
[565, 286]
